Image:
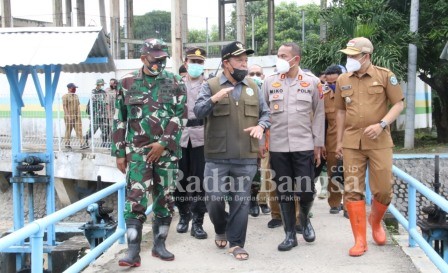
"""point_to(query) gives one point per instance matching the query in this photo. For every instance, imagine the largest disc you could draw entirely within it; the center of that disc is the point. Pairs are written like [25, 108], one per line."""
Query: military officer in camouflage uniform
[146, 134]
[99, 108]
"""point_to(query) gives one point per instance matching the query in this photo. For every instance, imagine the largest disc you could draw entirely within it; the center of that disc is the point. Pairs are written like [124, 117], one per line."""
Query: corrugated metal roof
[69, 46]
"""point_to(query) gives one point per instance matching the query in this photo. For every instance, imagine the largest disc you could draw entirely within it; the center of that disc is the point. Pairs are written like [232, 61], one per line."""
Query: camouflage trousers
[157, 179]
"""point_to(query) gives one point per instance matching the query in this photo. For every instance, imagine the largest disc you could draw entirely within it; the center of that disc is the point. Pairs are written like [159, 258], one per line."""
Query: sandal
[239, 253]
[221, 240]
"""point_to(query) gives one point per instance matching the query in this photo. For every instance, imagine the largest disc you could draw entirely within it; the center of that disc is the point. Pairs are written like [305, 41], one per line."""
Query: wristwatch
[383, 124]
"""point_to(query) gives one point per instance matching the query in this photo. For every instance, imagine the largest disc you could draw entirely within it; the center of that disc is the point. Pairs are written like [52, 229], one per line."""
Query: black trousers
[189, 193]
[293, 175]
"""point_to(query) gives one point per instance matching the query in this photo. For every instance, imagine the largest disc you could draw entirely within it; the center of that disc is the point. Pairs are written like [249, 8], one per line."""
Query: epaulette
[309, 73]
[383, 68]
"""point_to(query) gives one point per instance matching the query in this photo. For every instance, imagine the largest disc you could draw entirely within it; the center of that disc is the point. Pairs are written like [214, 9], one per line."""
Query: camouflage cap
[99, 82]
[155, 47]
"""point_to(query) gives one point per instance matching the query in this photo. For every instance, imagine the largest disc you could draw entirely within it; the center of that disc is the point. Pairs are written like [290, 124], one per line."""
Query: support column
[115, 28]
[176, 35]
[103, 15]
[80, 13]
[222, 20]
[271, 17]
[241, 21]
[68, 13]
[57, 13]
[6, 13]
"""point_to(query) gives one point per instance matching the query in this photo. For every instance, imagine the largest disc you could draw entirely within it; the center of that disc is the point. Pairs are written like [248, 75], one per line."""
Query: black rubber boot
[197, 231]
[254, 209]
[184, 222]
[160, 229]
[307, 228]
[134, 238]
[289, 221]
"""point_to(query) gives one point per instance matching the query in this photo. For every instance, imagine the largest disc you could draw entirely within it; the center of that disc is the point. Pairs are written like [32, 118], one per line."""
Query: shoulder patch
[321, 93]
[382, 68]
[393, 80]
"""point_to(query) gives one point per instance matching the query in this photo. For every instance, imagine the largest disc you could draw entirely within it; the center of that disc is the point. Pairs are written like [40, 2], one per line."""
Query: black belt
[195, 122]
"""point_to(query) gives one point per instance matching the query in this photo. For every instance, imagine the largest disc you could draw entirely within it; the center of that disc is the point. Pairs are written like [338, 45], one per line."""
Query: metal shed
[29, 51]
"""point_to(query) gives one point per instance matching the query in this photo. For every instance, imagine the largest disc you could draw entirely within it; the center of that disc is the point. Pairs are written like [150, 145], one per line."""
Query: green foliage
[154, 24]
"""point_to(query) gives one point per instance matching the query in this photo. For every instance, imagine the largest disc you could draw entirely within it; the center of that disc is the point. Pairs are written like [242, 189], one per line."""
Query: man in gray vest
[236, 116]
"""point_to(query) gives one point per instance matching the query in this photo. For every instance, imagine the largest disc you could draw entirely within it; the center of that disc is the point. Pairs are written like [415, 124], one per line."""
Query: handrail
[411, 224]
[36, 229]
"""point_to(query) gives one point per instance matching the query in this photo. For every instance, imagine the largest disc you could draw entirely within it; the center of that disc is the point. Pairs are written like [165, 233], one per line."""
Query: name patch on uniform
[304, 84]
[275, 91]
[393, 80]
[276, 84]
[304, 91]
[346, 87]
[249, 92]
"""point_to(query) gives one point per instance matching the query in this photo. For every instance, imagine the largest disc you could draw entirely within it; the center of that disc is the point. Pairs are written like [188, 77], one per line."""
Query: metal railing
[70, 118]
[411, 224]
[36, 229]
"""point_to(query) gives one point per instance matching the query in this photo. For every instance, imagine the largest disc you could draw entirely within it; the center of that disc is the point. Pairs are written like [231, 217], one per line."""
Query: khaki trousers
[380, 174]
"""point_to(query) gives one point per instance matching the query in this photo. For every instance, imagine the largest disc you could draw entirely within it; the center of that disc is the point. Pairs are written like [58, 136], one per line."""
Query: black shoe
[299, 229]
[84, 146]
[254, 209]
[68, 147]
[265, 209]
[275, 223]
[183, 224]
[346, 214]
[335, 210]
[197, 231]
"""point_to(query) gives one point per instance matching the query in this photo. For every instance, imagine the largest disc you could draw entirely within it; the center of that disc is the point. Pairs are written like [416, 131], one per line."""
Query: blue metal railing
[35, 230]
[411, 225]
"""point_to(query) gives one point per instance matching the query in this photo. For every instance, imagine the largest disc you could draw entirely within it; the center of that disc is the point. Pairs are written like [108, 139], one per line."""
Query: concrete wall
[423, 170]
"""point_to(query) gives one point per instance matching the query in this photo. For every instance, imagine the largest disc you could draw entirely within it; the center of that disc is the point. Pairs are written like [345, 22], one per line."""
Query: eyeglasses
[255, 73]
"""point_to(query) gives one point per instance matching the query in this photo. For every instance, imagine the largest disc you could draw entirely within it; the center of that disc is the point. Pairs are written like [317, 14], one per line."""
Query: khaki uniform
[365, 101]
[334, 191]
[72, 117]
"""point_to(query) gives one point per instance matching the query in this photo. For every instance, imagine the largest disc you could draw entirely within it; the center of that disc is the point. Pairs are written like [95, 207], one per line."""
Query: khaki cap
[357, 46]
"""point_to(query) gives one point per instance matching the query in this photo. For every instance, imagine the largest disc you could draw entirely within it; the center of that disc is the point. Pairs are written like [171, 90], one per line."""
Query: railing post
[412, 212]
[367, 182]
[120, 211]
[37, 246]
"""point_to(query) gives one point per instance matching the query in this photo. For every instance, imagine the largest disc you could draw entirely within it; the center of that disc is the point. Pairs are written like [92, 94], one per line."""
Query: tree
[154, 24]
[288, 24]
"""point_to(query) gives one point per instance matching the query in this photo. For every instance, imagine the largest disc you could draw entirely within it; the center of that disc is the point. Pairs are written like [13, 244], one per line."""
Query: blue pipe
[42, 223]
[97, 251]
[437, 199]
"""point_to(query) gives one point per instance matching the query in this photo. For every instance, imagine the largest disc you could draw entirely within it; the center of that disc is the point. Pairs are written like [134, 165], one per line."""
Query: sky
[198, 10]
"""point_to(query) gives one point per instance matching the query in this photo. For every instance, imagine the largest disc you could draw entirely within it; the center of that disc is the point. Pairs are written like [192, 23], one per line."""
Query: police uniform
[298, 119]
[364, 97]
[298, 125]
[335, 195]
[365, 101]
[189, 195]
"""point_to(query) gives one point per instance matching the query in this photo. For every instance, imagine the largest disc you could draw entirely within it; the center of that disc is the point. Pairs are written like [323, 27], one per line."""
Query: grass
[425, 141]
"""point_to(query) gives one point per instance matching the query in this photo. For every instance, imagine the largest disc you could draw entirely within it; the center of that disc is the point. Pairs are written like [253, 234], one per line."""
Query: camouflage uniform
[148, 110]
[100, 120]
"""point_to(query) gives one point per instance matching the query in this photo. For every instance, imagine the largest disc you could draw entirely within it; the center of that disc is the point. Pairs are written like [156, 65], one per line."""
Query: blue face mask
[332, 86]
[195, 70]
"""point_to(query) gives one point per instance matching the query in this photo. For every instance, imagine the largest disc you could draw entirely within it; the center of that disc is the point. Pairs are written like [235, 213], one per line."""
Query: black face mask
[239, 74]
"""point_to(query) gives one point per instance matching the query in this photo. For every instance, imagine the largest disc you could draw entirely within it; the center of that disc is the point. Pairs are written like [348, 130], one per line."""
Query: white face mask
[257, 80]
[353, 64]
[283, 65]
